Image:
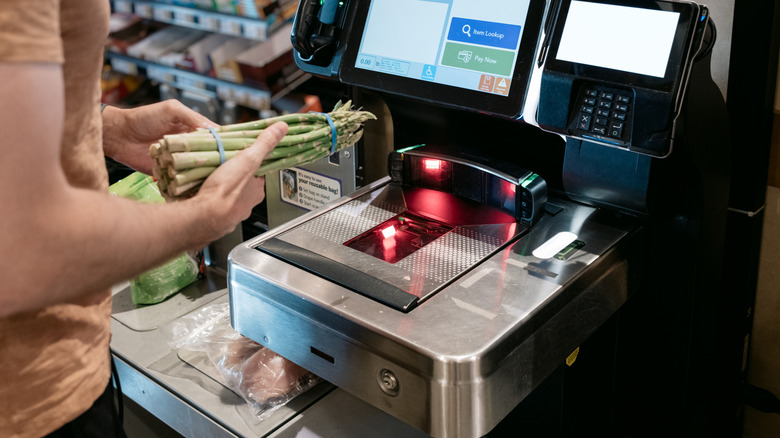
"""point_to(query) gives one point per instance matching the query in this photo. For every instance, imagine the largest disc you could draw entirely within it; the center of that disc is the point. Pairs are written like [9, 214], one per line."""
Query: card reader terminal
[616, 71]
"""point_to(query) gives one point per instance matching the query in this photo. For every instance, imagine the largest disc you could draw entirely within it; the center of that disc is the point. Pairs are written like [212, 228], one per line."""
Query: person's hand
[231, 192]
[128, 133]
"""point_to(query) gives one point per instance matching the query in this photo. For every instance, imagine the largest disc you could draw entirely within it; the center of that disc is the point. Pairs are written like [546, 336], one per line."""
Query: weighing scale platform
[488, 328]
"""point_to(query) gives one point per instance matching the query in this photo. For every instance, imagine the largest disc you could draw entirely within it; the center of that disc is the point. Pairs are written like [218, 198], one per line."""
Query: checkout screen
[462, 43]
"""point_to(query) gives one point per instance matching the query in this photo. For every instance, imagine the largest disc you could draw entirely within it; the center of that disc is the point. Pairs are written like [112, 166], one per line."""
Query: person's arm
[59, 242]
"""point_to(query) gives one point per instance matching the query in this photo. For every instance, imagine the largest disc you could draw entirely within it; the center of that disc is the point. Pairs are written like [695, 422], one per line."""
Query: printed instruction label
[307, 189]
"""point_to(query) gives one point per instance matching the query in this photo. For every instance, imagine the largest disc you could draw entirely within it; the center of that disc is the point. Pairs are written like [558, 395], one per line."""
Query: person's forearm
[80, 241]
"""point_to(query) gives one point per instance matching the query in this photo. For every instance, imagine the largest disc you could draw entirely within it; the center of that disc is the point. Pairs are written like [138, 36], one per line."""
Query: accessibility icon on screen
[428, 72]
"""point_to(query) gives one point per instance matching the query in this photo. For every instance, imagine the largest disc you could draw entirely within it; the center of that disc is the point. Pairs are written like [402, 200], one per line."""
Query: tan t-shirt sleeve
[30, 31]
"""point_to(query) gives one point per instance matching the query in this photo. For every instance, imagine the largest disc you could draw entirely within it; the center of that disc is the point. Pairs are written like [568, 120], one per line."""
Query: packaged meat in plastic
[262, 377]
[268, 379]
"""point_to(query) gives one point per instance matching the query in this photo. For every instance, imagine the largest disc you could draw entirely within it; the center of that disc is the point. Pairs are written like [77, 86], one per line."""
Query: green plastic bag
[157, 284]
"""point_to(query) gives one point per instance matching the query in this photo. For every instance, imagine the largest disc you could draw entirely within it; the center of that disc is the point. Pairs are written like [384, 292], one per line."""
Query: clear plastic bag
[165, 280]
[264, 379]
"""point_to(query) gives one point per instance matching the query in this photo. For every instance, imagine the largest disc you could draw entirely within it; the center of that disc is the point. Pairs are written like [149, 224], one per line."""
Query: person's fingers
[235, 178]
[196, 120]
[255, 187]
[252, 157]
[184, 118]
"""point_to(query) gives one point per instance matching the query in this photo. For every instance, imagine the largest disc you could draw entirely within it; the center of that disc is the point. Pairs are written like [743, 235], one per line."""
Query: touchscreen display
[628, 39]
[460, 43]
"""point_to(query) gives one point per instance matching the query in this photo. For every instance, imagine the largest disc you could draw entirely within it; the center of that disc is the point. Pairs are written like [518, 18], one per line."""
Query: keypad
[603, 113]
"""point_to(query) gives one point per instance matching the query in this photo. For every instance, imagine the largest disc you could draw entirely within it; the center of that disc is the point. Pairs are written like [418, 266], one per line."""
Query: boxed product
[196, 57]
[265, 59]
[126, 30]
[165, 41]
[223, 59]
[178, 52]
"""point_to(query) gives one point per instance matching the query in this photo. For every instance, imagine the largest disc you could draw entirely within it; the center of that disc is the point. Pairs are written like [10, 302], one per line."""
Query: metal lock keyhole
[388, 382]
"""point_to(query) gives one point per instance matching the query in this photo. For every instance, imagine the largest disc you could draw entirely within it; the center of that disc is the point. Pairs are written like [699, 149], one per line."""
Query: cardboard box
[265, 59]
[165, 41]
[197, 55]
[176, 53]
[223, 58]
[126, 30]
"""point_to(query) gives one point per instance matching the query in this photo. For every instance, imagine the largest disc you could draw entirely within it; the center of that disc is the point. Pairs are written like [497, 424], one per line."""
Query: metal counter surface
[189, 399]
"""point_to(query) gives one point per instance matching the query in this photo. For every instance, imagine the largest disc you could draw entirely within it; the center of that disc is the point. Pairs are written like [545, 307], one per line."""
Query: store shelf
[250, 97]
[252, 28]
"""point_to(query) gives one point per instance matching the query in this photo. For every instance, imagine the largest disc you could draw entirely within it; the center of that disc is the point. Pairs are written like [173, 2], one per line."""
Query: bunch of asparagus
[183, 161]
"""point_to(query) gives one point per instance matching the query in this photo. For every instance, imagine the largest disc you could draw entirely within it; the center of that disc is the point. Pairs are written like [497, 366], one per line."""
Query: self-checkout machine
[448, 291]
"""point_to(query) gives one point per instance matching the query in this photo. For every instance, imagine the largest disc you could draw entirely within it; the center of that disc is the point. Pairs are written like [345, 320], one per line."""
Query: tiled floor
[764, 363]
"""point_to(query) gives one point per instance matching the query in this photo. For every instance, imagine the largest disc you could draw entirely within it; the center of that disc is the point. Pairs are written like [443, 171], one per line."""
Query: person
[64, 239]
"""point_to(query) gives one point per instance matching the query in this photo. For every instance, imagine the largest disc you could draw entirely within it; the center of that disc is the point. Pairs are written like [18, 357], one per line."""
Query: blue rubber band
[333, 132]
[220, 146]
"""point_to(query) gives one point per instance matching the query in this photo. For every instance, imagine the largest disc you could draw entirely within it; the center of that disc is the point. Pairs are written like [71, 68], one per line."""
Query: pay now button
[482, 59]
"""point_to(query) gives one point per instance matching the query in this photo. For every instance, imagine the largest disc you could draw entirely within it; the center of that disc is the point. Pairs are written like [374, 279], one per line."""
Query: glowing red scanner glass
[388, 232]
